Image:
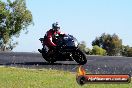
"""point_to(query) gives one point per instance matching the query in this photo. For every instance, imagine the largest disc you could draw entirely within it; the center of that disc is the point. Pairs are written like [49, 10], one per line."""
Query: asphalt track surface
[94, 65]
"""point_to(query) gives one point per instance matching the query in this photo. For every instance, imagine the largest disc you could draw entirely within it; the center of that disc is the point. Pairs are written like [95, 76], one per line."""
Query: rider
[49, 36]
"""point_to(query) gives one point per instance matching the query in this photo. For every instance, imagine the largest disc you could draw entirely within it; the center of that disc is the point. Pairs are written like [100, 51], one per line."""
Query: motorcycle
[67, 50]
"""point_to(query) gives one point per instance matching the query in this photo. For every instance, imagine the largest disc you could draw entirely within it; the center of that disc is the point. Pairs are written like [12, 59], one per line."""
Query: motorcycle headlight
[76, 43]
[65, 38]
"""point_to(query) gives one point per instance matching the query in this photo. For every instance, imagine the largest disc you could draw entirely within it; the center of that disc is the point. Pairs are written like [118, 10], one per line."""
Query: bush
[98, 51]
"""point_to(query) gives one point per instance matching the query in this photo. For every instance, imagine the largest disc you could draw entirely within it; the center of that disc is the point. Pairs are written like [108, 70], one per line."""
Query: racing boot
[40, 50]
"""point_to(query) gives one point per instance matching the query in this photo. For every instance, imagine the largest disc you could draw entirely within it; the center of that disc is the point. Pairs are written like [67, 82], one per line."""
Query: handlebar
[41, 39]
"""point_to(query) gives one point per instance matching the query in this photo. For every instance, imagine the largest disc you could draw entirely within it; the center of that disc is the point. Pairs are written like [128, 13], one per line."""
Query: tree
[88, 51]
[111, 43]
[127, 51]
[98, 51]
[82, 45]
[84, 48]
[14, 17]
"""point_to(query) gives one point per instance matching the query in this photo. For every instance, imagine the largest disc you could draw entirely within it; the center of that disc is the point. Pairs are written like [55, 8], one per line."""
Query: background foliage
[14, 17]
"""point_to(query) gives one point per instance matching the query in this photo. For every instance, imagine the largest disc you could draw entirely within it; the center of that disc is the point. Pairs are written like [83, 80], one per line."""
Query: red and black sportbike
[67, 50]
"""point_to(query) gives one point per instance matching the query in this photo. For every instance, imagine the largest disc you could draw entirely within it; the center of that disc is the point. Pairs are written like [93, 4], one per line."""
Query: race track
[95, 64]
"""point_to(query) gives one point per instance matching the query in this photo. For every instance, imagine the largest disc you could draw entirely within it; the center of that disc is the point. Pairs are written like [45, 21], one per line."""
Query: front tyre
[79, 57]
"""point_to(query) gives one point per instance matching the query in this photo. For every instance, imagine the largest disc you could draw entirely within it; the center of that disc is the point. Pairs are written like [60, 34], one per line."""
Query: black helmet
[55, 26]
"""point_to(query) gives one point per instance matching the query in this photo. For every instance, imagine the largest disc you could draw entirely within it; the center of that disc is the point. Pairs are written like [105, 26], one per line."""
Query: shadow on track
[44, 63]
[39, 63]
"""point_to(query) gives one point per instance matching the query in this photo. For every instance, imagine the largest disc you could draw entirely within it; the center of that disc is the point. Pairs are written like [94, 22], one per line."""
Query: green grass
[43, 78]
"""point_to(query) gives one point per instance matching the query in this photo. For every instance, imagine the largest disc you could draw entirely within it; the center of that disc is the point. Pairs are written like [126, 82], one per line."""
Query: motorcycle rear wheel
[49, 58]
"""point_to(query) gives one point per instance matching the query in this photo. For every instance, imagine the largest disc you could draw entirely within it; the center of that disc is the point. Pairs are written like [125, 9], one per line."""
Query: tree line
[106, 44]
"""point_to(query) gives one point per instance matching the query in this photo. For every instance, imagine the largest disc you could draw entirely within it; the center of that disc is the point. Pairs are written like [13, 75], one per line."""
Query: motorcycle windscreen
[71, 42]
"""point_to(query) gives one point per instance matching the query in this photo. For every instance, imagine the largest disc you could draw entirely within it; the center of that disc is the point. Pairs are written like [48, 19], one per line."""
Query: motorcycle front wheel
[79, 57]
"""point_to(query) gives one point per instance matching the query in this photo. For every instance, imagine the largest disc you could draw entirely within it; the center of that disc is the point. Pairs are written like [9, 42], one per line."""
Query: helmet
[55, 26]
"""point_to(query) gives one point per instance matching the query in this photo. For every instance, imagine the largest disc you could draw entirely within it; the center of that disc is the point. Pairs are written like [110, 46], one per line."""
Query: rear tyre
[80, 57]
[49, 58]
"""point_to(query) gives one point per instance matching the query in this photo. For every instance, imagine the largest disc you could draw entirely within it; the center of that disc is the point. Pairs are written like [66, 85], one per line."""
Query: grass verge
[44, 78]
